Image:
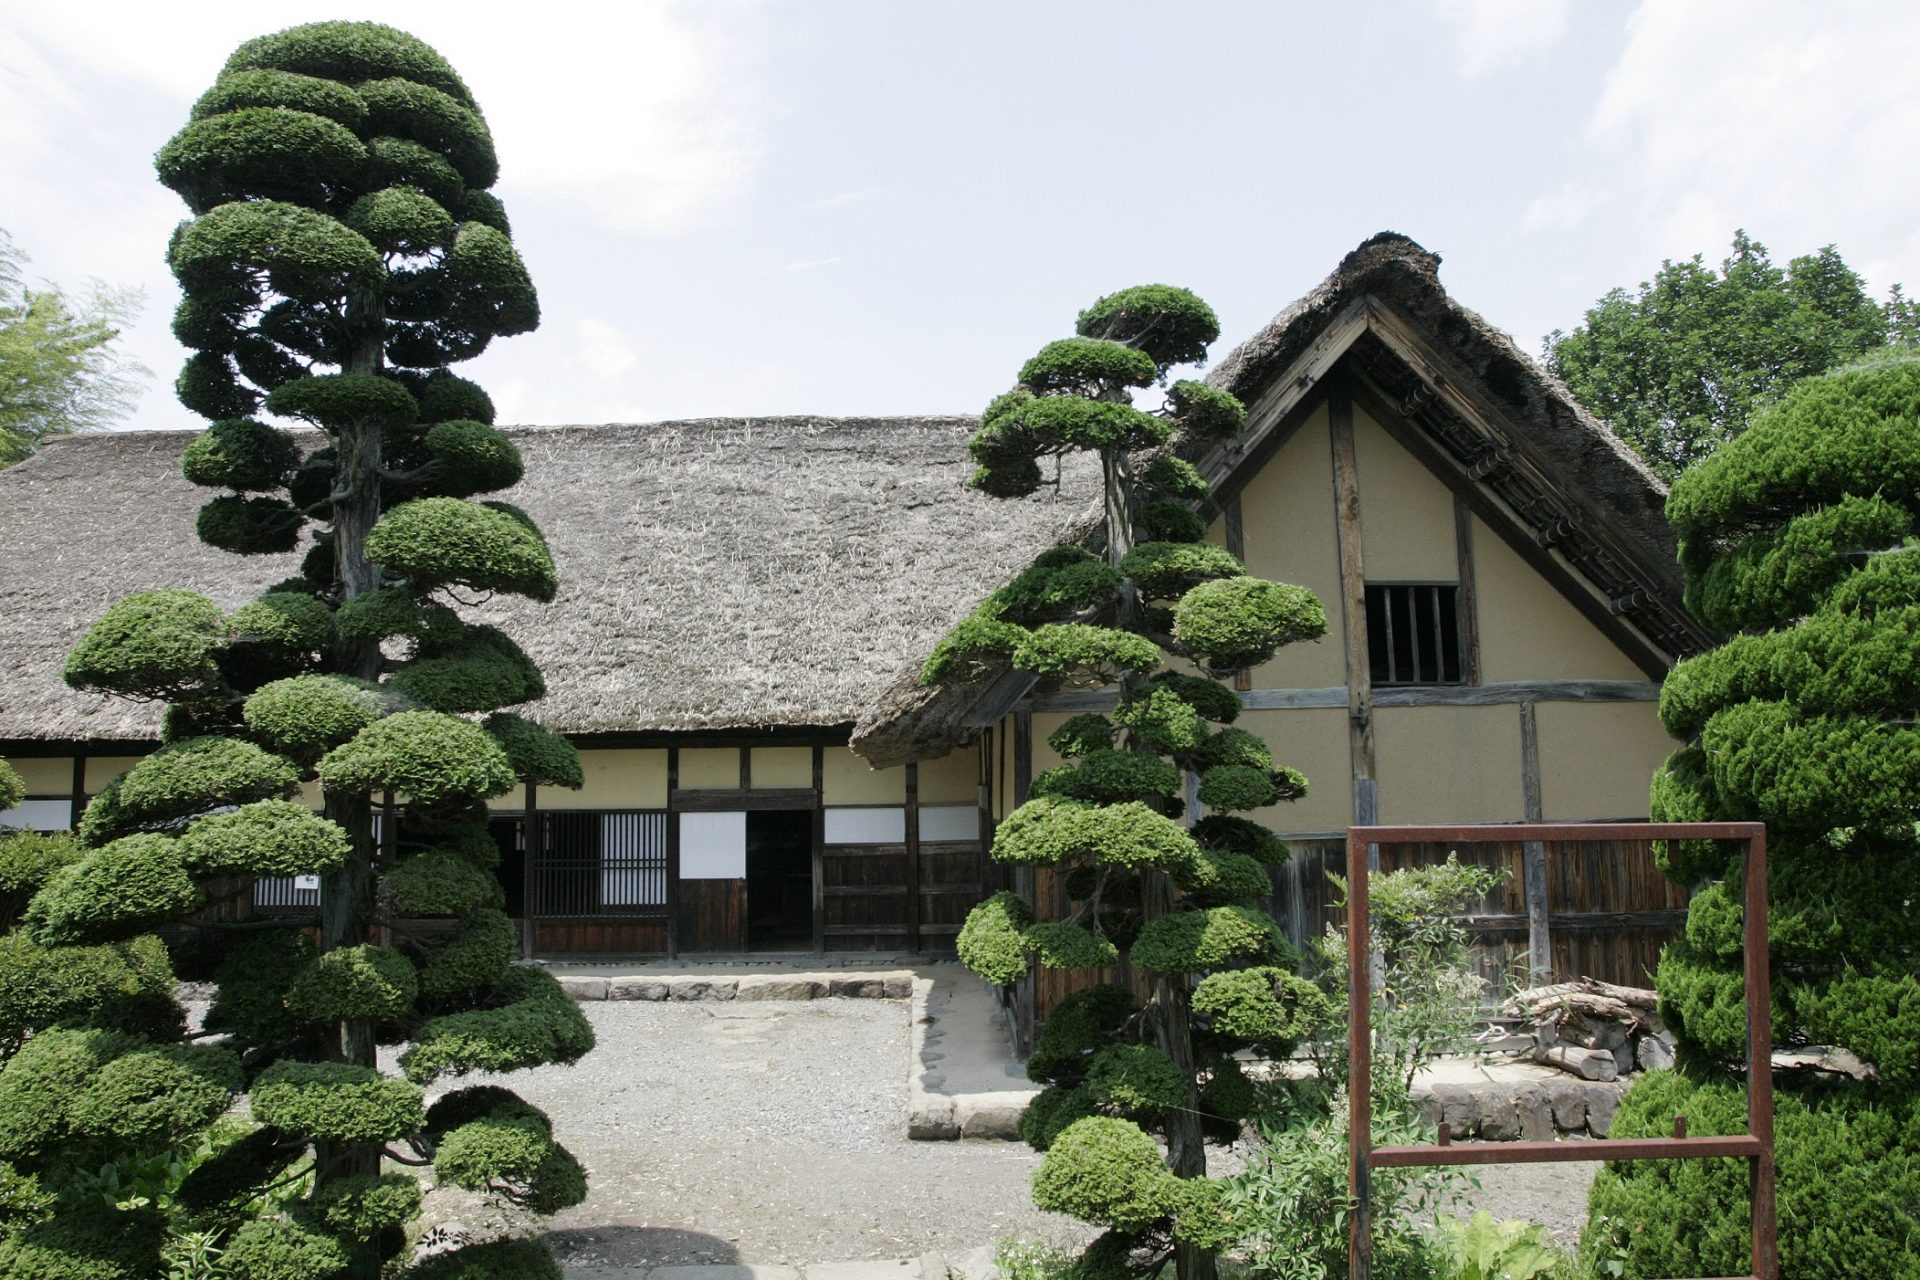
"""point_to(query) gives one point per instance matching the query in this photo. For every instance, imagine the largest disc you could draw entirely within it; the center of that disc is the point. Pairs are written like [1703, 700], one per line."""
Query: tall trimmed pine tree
[1799, 541]
[343, 252]
[1157, 618]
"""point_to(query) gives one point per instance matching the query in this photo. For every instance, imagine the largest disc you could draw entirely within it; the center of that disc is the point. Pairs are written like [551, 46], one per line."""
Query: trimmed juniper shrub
[337, 1101]
[494, 1260]
[1101, 822]
[265, 838]
[363, 981]
[433, 757]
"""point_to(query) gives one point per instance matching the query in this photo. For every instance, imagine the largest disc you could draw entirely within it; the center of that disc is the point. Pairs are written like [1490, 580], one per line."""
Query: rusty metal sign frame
[1755, 1146]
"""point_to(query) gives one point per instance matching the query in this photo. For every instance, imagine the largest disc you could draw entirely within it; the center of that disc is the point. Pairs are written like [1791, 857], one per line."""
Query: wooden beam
[1236, 531]
[673, 853]
[77, 805]
[1467, 595]
[1022, 753]
[533, 842]
[912, 887]
[1502, 693]
[1279, 410]
[1534, 853]
[819, 849]
[729, 801]
[1353, 603]
[1573, 585]
[746, 768]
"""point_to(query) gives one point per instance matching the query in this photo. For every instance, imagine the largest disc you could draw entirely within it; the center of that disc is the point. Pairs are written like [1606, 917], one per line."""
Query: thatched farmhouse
[745, 605]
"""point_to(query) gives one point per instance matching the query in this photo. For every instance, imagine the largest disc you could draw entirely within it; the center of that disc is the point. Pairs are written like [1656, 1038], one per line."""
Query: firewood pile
[1591, 1029]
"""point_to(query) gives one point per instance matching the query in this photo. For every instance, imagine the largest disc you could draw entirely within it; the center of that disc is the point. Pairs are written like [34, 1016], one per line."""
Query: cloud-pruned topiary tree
[1798, 542]
[344, 251]
[1158, 618]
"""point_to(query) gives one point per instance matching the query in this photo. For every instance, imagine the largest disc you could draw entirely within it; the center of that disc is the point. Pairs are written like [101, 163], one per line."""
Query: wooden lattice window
[1413, 633]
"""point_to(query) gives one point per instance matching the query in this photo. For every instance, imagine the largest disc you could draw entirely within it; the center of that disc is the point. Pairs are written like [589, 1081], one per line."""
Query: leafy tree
[1681, 366]
[60, 369]
[1175, 901]
[343, 251]
[1797, 538]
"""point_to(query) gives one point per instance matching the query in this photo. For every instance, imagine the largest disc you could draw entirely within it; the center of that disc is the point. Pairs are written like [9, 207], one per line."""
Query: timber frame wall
[1610, 910]
[904, 891]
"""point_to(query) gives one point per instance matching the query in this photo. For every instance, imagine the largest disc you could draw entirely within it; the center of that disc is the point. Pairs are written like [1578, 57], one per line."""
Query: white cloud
[1564, 209]
[808, 264]
[603, 349]
[1491, 33]
[1798, 122]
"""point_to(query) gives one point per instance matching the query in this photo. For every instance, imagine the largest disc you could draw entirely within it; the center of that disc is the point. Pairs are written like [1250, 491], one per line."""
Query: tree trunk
[1170, 1009]
[1116, 472]
[347, 895]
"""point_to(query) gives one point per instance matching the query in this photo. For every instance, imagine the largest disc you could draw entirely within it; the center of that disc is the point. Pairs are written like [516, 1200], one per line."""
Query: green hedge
[335, 1101]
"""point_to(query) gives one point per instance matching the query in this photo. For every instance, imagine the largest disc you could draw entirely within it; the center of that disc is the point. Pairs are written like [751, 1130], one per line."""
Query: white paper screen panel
[949, 822]
[866, 826]
[38, 815]
[713, 846]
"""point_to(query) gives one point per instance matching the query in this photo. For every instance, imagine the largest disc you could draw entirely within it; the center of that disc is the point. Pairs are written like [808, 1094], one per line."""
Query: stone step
[889, 984]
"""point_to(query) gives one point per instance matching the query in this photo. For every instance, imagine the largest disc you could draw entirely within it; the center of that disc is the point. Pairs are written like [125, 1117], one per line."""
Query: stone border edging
[1522, 1110]
[882, 985]
[935, 1115]
[974, 1264]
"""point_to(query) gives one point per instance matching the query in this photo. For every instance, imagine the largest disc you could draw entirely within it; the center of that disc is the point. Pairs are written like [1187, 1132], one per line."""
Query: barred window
[1413, 633]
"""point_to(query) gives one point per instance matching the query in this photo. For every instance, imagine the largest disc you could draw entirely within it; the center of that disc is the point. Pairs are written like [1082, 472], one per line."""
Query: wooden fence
[1608, 910]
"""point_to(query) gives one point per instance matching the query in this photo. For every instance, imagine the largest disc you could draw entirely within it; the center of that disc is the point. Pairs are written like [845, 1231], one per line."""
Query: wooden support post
[673, 854]
[77, 804]
[1467, 597]
[746, 768]
[913, 857]
[1534, 853]
[1236, 531]
[533, 837]
[1353, 604]
[1022, 753]
[819, 848]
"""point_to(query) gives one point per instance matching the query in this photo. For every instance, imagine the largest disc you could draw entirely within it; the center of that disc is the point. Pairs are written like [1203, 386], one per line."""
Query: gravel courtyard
[774, 1132]
[763, 1132]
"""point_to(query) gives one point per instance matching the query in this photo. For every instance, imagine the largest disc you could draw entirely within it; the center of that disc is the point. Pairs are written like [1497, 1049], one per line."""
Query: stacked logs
[1591, 1029]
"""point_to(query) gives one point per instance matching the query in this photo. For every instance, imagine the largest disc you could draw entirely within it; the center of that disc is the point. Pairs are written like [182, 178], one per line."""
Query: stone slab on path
[974, 1264]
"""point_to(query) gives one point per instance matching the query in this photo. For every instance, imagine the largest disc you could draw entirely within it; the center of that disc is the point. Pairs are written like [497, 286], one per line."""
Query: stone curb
[933, 1114]
[1522, 1110]
[888, 984]
[973, 1264]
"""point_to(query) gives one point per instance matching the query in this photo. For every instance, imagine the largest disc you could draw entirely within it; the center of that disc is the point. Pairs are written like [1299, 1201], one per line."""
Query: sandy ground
[775, 1133]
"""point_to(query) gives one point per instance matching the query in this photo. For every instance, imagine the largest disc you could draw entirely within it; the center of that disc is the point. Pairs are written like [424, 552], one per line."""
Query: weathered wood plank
[912, 886]
[1539, 932]
[1467, 597]
[713, 800]
[1353, 600]
[1502, 693]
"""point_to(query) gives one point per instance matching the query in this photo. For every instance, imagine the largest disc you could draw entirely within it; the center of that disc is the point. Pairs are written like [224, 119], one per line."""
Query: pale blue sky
[874, 207]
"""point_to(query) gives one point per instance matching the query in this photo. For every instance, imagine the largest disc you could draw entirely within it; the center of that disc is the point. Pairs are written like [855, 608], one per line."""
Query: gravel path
[767, 1132]
[774, 1132]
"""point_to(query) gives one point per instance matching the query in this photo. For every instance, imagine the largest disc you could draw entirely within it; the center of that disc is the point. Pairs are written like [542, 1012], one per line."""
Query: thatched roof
[715, 574]
[1544, 469]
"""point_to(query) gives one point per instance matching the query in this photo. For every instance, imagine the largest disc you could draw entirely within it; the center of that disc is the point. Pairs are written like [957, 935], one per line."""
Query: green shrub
[115, 892]
[1188, 941]
[265, 838]
[1239, 835]
[306, 716]
[1061, 583]
[1077, 365]
[439, 883]
[156, 1096]
[1168, 570]
[101, 1244]
[155, 645]
[484, 669]
[971, 649]
[1079, 1025]
[12, 789]
[494, 1260]
[1162, 723]
[1270, 1008]
[1484, 1248]
[1134, 1078]
[1050, 1111]
[1221, 878]
[278, 1249]
[1237, 788]
[335, 1101]
[360, 1208]
[541, 757]
[287, 620]
[252, 981]
[128, 986]
[1076, 649]
[1230, 623]
[1175, 477]
[364, 981]
[1108, 777]
[1848, 1176]
[259, 526]
[432, 757]
[188, 778]
[477, 955]
[992, 942]
[1058, 945]
[436, 542]
[396, 611]
[1206, 413]
[39, 1083]
[1210, 699]
[532, 1021]
[28, 859]
[239, 1171]
[1106, 1171]
[1080, 735]
[1168, 325]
